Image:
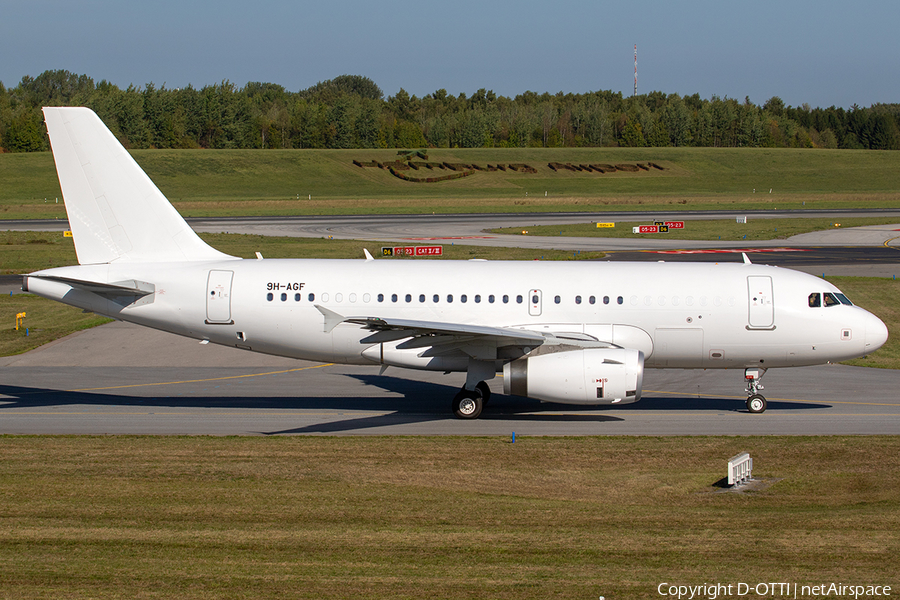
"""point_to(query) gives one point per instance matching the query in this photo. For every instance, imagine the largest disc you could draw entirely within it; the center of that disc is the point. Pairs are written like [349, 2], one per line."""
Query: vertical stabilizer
[115, 211]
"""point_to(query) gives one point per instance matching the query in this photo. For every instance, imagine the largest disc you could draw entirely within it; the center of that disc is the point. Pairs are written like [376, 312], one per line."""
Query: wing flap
[417, 328]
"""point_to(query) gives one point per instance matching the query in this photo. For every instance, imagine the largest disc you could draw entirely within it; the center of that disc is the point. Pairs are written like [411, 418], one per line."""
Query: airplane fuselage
[680, 315]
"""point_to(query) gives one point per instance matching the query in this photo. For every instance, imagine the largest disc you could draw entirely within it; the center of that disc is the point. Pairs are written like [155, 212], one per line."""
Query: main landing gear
[468, 404]
[756, 402]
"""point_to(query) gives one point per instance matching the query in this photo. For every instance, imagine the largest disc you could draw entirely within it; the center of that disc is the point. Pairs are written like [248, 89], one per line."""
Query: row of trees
[351, 112]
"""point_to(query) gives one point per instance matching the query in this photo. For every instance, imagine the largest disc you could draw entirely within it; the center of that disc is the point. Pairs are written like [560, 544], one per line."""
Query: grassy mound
[261, 182]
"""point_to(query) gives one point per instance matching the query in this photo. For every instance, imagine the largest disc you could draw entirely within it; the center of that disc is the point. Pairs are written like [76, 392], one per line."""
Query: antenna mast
[635, 69]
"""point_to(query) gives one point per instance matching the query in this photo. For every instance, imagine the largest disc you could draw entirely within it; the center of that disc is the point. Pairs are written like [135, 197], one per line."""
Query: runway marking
[458, 237]
[160, 413]
[134, 385]
[720, 396]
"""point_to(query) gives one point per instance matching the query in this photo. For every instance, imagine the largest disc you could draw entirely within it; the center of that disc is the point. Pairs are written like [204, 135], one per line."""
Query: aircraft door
[218, 297]
[761, 302]
[534, 303]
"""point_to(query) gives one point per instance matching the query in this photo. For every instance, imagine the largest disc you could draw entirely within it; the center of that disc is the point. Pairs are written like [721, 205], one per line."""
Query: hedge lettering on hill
[604, 168]
[460, 170]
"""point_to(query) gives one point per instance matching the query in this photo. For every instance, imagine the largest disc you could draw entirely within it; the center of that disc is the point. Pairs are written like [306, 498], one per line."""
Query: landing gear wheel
[485, 392]
[468, 404]
[756, 403]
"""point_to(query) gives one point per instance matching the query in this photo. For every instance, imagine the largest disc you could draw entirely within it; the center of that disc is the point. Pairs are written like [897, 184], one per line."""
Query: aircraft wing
[443, 338]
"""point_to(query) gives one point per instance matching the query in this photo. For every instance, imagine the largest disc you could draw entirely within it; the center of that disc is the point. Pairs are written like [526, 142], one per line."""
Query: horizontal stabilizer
[132, 287]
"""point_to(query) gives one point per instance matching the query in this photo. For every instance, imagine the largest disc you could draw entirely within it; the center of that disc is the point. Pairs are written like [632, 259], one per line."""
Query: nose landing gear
[756, 402]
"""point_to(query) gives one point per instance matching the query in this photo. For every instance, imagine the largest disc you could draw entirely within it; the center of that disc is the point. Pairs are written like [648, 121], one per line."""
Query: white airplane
[568, 332]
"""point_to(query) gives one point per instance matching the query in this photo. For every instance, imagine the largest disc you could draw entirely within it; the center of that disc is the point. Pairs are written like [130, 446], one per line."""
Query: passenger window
[463, 298]
[519, 299]
[296, 297]
[577, 299]
[592, 300]
[449, 298]
[436, 298]
[408, 298]
[534, 299]
[270, 296]
[284, 297]
[421, 297]
[477, 298]
[312, 297]
[620, 300]
[381, 297]
[393, 297]
[491, 298]
[829, 299]
[505, 299]
[556, 300]
[605, 299]
[814, 300]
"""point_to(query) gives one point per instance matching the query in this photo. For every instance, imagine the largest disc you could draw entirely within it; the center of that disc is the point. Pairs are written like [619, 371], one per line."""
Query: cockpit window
[828, 299]
[844, 299]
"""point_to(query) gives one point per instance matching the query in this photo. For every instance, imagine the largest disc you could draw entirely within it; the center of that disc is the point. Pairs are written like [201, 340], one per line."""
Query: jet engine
[588, 376]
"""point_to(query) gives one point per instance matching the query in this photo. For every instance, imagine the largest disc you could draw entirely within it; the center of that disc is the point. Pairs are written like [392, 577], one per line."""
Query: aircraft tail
[115, 211]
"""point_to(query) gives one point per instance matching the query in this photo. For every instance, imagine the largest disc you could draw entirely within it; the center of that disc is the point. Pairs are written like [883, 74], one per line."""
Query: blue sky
[821, 53]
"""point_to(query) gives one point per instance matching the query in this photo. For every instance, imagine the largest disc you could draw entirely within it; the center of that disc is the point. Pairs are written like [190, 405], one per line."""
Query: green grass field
[272, 182]
[447, 517]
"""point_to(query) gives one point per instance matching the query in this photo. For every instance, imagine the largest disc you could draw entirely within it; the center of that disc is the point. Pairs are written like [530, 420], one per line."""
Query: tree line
[351, 111]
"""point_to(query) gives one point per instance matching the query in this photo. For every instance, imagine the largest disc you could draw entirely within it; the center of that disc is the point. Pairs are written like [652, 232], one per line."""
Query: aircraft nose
[876, 333]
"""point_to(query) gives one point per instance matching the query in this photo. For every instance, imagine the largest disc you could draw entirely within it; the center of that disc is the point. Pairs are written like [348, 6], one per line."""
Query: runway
[470, 229]
[125, 379]
[859, 251]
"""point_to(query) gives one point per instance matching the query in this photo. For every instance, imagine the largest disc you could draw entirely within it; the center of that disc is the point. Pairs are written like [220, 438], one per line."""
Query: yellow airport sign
[606, 224]
[67, 234]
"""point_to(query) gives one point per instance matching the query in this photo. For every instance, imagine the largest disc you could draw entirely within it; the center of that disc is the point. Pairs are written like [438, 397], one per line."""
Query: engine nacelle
[590, 376]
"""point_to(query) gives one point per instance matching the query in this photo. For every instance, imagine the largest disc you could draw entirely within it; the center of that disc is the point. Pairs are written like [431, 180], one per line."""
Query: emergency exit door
[534, 303]
[761, 302]
[218, 297]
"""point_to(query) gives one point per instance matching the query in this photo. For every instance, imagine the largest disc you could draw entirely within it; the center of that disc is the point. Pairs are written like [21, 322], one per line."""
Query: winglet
[746, 258]
[332, 319]
[368, 256]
